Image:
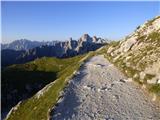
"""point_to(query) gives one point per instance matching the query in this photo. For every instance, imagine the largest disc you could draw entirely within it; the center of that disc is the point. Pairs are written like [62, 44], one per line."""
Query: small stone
[122, 80]
[142, 75]
[143, 86]
[152, 81]
[129, 80]
[98, 90]
[154, 97]
[158, 81]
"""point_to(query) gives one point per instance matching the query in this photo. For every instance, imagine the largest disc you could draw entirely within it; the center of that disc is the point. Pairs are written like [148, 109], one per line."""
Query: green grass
[155, 88]
[148, 77]
[154, 37]
[151, 21]
[39, 108]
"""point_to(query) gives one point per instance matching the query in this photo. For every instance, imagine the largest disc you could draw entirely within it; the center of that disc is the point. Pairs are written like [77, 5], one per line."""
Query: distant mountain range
[24, 44]
[21, 51]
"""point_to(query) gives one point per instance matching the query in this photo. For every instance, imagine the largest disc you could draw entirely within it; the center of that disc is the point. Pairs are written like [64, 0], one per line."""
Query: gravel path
[101, 92]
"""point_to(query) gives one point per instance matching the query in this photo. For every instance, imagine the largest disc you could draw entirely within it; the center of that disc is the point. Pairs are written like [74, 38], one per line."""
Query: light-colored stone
[158, 81]
[143, 86]
[142, 75]
[154, 97]
[152, 81]
[110, 49]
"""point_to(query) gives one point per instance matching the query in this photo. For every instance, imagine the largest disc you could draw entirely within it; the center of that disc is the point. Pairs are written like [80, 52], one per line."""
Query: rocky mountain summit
[30, 50]
[138, 55]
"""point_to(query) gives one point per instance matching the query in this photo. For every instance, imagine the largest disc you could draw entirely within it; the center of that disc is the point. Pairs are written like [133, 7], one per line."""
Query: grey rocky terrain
[99, 91]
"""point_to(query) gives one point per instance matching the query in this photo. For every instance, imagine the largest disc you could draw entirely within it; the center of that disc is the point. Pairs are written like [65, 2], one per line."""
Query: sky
[60, 20]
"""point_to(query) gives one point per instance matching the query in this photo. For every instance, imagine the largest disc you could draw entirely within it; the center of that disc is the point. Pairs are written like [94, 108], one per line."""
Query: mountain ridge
[59, 49]
[26, 44]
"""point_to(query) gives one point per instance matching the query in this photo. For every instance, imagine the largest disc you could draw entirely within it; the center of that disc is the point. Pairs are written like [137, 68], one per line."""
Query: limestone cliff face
[87, 43]
[139, 53]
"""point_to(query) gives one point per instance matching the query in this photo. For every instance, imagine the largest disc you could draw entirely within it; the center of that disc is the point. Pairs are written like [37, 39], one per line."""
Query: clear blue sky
[61, 20]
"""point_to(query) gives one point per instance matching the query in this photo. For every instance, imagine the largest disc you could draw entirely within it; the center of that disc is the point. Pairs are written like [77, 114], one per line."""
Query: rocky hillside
[138, 55]
[61, 49]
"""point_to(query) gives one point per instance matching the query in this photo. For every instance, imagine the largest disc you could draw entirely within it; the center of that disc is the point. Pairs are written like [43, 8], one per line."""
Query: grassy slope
[38, 108]
[36, 73]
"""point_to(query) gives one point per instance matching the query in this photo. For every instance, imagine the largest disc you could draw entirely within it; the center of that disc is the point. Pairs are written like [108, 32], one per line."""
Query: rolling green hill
[23, 80]
[52, 73]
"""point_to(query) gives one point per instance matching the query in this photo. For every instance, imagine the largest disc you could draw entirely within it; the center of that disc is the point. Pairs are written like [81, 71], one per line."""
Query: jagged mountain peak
[88, 39]
[85, 38]
[70, 39]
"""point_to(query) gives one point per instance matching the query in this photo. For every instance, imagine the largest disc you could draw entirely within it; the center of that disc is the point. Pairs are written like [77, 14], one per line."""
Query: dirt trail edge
[99, 91]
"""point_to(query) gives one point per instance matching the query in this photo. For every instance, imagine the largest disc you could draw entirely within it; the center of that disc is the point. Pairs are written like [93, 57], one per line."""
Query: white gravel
[101, 92]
